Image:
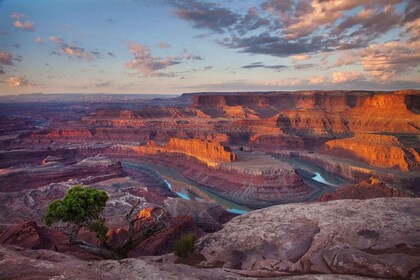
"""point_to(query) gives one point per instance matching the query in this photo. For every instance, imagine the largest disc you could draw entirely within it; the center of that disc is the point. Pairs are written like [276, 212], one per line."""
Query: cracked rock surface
[374, 238]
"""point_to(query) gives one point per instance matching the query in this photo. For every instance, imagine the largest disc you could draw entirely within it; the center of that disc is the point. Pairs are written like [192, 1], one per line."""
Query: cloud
[251, 21]
[262, 65]
[190, 56]
[6, 58]
[299, 27]
[111, 54]
[146, 64]
[300, 57]
[25, 25]
[73, 51]
[163, 45]
[304, 66]
[21, 22]
[38, 40]
[265, 43]
[56, 40]
[284, 82]
[204, 14]
[343, 77]
[346, 58]
[18, 81]
[17, 16]
[317, 80]
[391, 59]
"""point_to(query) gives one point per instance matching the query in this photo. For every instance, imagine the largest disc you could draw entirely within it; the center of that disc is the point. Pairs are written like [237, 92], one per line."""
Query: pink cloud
[146, 64]
[56, 40]
[18, 81]
[73, 51]
[347, 58]
[18, 16]
[163, 45]
[391, 59]
[342, 77]
[6, 58]
[25, 25]
[317, 80]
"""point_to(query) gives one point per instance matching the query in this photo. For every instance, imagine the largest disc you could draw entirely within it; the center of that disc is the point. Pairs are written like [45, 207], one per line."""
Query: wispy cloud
[262, 65]
[73, 51]
[21, 22]
[146, 64]
[204, 14]
[343, 77]
[163, 45]
[149, 65]
[6, 58]
[19, 81]
[391, 59]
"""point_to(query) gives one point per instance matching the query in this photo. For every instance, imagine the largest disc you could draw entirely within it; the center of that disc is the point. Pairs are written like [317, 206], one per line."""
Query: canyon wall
[205, 151]
[379, 150]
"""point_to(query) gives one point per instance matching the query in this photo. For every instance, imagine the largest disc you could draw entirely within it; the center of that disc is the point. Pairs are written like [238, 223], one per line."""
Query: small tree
[82, 208]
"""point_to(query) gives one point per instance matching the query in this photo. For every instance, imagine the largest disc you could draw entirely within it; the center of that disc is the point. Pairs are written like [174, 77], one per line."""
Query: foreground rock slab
[25, 264]
[376, 238]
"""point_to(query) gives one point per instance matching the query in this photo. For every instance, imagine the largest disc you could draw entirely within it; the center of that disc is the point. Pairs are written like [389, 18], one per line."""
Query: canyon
[217, 155]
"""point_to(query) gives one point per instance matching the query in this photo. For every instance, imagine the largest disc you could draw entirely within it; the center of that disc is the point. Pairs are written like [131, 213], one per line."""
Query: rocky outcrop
[163, 242]
[208, 216]
[16, 179]
[371, 188]
[204, 151]
[26, 235]
[379, 150]
[25, 264]
[63, 133]
[341, 237]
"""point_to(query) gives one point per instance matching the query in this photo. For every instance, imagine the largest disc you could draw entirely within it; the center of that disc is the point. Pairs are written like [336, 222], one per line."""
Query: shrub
[185, 245]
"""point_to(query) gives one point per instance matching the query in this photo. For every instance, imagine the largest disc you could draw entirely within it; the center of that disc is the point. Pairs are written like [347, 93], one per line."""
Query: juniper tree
[82, 208]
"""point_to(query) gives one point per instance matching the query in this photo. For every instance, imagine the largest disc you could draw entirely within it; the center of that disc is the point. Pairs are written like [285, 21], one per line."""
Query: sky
[177, 46]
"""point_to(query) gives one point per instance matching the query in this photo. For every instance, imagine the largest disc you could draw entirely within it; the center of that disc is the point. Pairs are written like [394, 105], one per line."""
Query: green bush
[185, 245]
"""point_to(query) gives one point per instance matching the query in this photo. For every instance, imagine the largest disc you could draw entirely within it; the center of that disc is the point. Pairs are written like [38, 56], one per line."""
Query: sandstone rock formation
[379, 150]
[371, 188]
[24, 264]
[208, 216]
[204, 151]
[16, 179]
[26, 235]
[375, 237]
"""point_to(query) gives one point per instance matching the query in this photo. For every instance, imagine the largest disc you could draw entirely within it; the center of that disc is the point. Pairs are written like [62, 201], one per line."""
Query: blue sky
[175, 46]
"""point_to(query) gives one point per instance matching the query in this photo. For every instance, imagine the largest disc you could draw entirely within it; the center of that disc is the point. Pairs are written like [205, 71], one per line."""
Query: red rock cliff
[379, 150]
[205, 151]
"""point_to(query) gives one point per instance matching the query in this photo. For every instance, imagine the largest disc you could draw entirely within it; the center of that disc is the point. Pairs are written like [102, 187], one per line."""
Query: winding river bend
[186, 188]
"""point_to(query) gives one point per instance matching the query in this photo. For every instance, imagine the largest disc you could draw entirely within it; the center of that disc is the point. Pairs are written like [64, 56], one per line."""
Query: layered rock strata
[207, 152]
[379, 150]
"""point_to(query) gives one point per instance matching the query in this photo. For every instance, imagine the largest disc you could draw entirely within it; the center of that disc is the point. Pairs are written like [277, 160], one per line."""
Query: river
[186, 188]
[191, 190]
